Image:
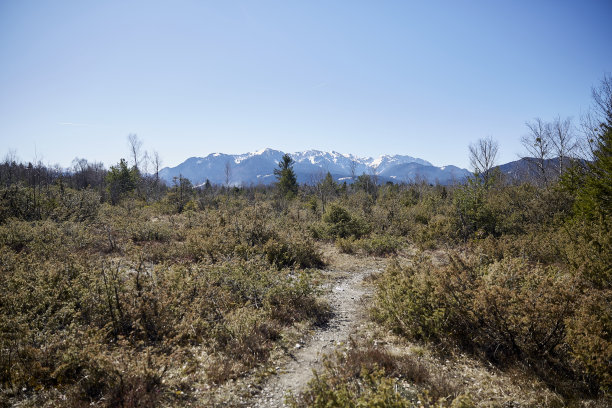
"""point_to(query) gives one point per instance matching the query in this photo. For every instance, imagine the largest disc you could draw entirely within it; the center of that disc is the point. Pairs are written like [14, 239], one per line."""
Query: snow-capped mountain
[310, 166]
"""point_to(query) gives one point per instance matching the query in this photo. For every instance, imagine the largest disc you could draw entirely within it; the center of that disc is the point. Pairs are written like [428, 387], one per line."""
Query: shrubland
[122, 305]
[526, 285]
[120, 291]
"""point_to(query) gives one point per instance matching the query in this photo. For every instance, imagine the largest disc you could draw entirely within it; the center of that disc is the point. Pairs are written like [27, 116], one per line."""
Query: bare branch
[135, 146]
[228, 173]
[563, 141]
[157, 163]
[483, 155]
[538, 146]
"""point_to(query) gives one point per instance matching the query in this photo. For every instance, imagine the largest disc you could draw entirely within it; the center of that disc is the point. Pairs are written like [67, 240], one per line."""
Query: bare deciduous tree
[563, 141]
[135, 146]
[589, 127]
[373, 175]
[157, 162]
[228, 173]
[591, 123]
[482, 157]
[11, 157]
[145, 160]
[602, 95]
[353, 170]
[538, 146]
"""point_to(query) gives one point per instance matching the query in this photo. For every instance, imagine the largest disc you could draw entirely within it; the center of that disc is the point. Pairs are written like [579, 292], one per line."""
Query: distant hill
[528, 168]
[310, 166]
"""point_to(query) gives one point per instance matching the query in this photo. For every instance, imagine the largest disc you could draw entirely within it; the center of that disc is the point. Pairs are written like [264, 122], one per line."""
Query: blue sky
[364, 77]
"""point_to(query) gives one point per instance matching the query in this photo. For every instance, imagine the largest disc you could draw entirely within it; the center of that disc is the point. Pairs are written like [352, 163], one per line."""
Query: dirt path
[346, 294]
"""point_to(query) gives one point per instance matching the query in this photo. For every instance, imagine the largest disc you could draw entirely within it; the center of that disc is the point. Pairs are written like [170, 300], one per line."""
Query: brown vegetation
[120, 291]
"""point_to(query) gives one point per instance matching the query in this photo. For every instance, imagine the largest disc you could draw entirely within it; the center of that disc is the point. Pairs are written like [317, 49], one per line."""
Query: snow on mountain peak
[256, 167]
[375, 163]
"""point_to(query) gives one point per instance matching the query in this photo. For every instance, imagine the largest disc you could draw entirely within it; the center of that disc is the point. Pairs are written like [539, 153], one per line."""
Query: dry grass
[421, 369]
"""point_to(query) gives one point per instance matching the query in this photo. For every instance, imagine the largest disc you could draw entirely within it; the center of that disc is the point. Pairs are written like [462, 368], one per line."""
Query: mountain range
[310, 166]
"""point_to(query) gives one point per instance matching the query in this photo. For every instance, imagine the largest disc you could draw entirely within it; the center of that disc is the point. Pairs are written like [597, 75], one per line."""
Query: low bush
[287, 254]
[369, 376]
[54, 202]
[406, 301]
[85, 304]
[507, 311]
[346, 245]
[377, 245]
[339, 223]
[590, 337]
[151, 230]
[380, 245]
[372, 389]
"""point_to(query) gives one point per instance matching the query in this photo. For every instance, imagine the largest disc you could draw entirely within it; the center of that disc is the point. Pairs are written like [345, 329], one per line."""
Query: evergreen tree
[591, 185]
[181, 193]
[326, 189]
[121, 181]
[287, 181]
[366, 183]
[590, 330]
[594, 197]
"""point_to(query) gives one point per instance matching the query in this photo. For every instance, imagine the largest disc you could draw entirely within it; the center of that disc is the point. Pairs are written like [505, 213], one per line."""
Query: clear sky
[372, 77]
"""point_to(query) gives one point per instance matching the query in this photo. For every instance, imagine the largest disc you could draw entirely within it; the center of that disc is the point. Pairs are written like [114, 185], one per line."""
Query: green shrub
[473, 217]
[341, 224]
[380, 245]
[407, 302]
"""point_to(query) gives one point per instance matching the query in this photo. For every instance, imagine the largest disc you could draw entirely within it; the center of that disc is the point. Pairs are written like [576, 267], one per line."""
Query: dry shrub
[380, 245]
[112, 378]
[148, 230]
[377, 245]
[78, 297]
[288, 253]
[210, 244]
[590, 337]
[367, 375]
[366, 355]
[407, 302]
[545, 245]
[297, 301]
[508, 311]
[243, 341]
[346, 245]
[250, 234]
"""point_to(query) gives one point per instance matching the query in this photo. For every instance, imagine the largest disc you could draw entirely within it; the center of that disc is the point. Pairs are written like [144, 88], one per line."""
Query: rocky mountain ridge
[310, 166]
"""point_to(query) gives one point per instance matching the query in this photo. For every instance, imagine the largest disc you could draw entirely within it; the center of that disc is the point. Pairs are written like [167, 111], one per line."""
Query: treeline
[32, 189]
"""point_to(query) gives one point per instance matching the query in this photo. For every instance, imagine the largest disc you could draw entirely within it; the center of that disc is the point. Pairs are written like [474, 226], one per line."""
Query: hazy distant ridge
[257, 168]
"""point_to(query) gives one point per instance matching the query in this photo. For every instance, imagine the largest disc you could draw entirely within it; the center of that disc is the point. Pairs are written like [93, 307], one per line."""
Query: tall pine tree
[287, 181]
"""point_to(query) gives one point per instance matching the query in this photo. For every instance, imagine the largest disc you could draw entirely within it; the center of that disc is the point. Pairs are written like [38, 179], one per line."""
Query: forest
[120, 290]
